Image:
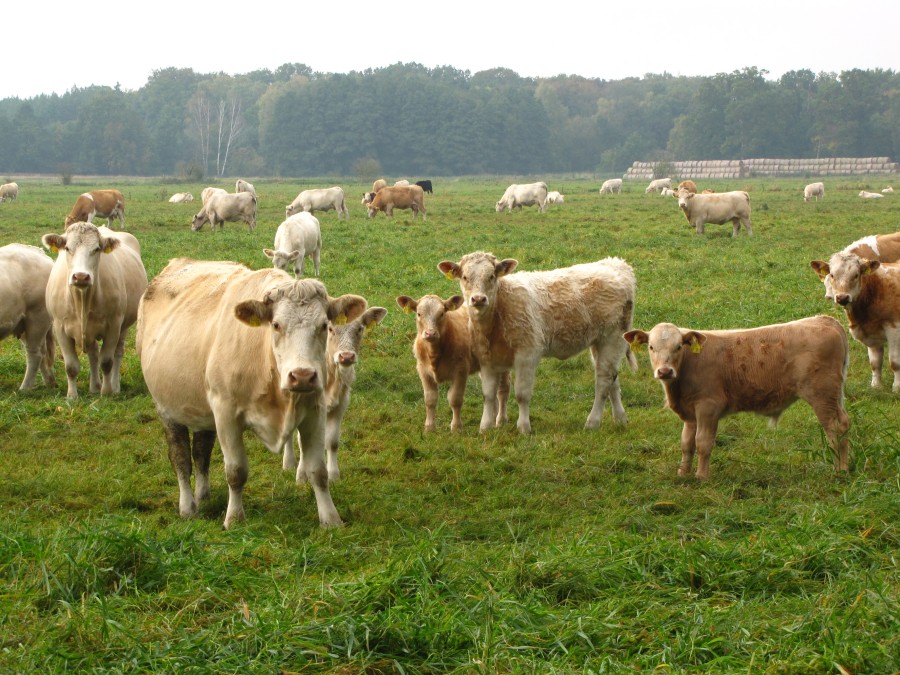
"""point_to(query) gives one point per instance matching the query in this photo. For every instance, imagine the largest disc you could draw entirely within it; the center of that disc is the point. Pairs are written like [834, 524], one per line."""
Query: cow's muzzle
[80, 279]
[843, 299]
[665, 373]
[302, 380]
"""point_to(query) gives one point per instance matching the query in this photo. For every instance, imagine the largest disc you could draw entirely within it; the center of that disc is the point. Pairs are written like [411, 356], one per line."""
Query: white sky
[53, 48]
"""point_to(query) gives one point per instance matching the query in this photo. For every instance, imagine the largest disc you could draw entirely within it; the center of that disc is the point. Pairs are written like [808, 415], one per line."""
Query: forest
[409, 120]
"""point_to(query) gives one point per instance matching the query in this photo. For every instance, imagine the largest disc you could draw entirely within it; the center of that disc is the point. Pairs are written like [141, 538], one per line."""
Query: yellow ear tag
[253, 320]
[340, 320]
[108, 249]
[54, 250]
[696, 347]
[449, 275]
[636, 346]
[407, 309]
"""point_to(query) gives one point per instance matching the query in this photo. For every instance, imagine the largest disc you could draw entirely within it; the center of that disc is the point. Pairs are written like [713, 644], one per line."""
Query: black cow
[425, 185]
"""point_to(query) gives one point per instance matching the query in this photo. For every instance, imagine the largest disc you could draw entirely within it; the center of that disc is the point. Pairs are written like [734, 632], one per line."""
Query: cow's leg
[33, 339]
[333, 437]
[876, 360]
[48, 357]
[115, 375]
[92, 349]
[289, 457]
[489, 385]
[893, 342]
[502, 398]
[749, 227]
[179, 441]
[107, 362]
[201, 453]
[430, 395]
[836, 422]
[317, 255]
[301, 265]
[735, 226]
[526, 370]
[688, 445]
[701, 227]
[312, 439]
[606, 384]
[706, 438]
[424, 213]
[455, 398]
[70, 358]
[237, 469]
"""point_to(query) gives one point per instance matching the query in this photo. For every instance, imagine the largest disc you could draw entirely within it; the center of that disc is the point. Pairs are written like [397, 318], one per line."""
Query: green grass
[565, 551]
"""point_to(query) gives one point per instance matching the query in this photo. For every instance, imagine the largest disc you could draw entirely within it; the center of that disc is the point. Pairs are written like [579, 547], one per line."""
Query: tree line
[410, 120]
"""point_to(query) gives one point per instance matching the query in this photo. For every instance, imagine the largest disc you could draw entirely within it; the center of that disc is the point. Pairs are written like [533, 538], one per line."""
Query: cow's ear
[636, 338]
[454, 303]
[293, 255]
[869, 266]
[504, 267]
[694, 339]
[821, 268]
[54, 242]
[406, 303]
[346, 308]
[253, 312]
[109, 244]
[372, 317]
[269, 253]
[451, 270]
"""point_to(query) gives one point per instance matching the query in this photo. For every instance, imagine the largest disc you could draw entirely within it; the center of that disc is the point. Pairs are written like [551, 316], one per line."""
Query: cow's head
[199, 220]
[430, 312]
[344, 339]
[282, 260]
[684, 198]
[843, 275]
[668, 345]
[479, 276]
[82, 244]
[297, 314]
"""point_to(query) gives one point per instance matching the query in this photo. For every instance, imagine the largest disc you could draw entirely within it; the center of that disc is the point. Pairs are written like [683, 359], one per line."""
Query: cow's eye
[276, 326]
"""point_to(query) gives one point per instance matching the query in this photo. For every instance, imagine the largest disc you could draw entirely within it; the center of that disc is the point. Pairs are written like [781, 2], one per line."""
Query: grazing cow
[181, 197]
[403, 197]
[666, 192]
[882, 247]
[870, 195]
[658, 184]
[707, 375]
[222, 207]
[888, 190]
[555, 198]
[243, 186]
[224, 349]
[297, 238]
[611, 186]
[9, 192]
[401, 183]
[341, 354]
[107, 204]
[688, 185]
[378, 184]
[717, 208]
[93, 294]
[869, 292]
[517, 319]
[208, 192]
[24, 271]
[814, 190]
[367, 198]
[426, 186]
[444, 353]
[319, 199]
[527, 194]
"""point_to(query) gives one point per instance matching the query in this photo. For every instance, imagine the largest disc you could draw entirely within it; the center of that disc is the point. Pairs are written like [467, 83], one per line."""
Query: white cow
[93, 294]
[658, 184]
[181, 197]
[208, 192]
[717, 208]
[243, 186]
[611, 186]
[814, 190]
[319, 199]
[222, 207]
[526, 194]
[870, 195]
[224, 349]
[401, 183]
[9, 192]
[555, 198]
[24, 271]
[666, 192]
[297, 238]
[888, 190]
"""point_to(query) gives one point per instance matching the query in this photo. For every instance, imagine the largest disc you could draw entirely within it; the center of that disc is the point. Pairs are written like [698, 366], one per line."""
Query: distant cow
[527, 194]
[208, 192]
[882, 247]
[870, 195]
[717, 208]
[378, 184]
[688, 185]
[555, 198]
[517, 319]
[367, 198]
[869, 292]
[93, 294]
[224, 349]
[107, 204]
[444, 353]
[297, 238]
[666, 192]
[401, 183]
[426, 186]
[341, 357]
[181, 197]
[243, 186]
[403, 197]
[816, 190]
[888, 190]
[24, 271]
[658, 184]
[611, 186]
[9, 192]
[224, 207]
[319, 199]
[707, 375]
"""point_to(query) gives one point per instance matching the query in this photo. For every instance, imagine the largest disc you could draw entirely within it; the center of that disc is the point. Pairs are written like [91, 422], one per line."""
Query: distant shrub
[664, 169]
[66, 171]
[191, 172]
[366, 169]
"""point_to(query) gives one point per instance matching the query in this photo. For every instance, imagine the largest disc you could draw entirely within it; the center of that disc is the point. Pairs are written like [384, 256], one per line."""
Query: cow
[517, 319]
[707, 375]
[378, 184]
[527, 194]
[297, 238]
[367, 198]
[555, 198]
[881, 247]
[688, 185]
[814, 190]
[222, 207]
[658, 184]
[869, 292]
[24, 271]
[401, 183]
[611, 186]
[319, 199]
[444, 353]
[403, 197]
[9, 192]
[243, 186]
[208, 192]
[181, 197]
[888, 190]
[666, 192]
[717, 208]
[107, 204]
[426, 186]
[92, 294]
[341, 355]
[870, 195]
[224, 349]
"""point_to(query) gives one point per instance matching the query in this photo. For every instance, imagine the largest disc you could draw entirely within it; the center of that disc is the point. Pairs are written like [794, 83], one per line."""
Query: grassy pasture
[564, 551]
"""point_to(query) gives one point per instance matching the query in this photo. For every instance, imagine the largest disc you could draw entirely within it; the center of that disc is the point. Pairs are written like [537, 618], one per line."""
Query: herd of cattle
[304, 343]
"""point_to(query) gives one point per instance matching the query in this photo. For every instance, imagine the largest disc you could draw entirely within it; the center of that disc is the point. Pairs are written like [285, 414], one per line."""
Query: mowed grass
[564, 551]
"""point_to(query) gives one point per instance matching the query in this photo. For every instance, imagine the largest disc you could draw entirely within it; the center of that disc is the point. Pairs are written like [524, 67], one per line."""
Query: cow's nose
[664, 373]
[478, 300]
[429, 334]
[347, 358]
[81, 279]
[302, 379]
[842, 299]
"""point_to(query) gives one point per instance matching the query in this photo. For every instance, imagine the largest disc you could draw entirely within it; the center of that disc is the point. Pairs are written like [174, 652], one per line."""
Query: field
[564, 551]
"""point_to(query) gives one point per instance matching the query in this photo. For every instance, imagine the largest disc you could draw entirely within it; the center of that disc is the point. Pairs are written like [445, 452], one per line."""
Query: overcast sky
[51, 49]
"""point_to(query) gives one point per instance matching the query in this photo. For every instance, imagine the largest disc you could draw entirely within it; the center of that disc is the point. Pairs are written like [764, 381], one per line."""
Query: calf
[319, 199]
[426, 186]
[297, 238]
[222, 207]
[181, 197]
[814, 190]
[658, 184]
[555, 198]
[870, 195]
[611, 186]
[718, 208]
[707, 375]
[517, 319]
[528, 194]
[882, 247]
[398, 197]
[107, 204]
[869, 292]
[444, 353]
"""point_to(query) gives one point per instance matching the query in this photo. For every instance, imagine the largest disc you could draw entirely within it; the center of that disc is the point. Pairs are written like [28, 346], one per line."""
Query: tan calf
[107, 204]
[398, 197]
